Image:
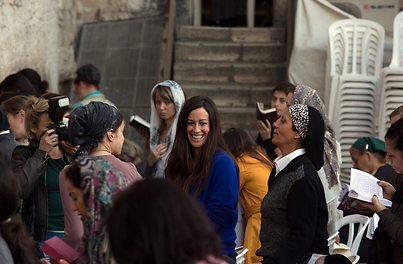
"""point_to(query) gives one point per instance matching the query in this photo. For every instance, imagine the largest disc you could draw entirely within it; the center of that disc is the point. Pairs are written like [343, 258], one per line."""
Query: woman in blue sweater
[202, 165]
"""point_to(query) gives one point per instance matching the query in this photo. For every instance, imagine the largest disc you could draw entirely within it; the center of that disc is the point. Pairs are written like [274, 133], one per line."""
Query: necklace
[100, 150]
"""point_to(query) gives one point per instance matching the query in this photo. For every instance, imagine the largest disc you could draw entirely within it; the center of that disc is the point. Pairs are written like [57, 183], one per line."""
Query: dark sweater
[8, 144]
[384, 173]
[294, 214]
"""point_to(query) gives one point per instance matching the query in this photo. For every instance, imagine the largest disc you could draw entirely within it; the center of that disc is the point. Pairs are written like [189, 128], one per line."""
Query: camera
[57, 110]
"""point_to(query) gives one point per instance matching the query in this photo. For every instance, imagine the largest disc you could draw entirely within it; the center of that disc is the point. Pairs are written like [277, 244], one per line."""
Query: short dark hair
[155, 221]
[395, 134]
[89, 74]
[18, 83]
[396, 112]
[285, 88]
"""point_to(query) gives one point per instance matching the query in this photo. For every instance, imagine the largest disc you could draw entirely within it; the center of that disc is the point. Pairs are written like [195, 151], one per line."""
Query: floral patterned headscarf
[100, 182]
[308, 96]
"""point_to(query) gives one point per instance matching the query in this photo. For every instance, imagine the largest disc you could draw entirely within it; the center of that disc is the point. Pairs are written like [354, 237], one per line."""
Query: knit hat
[4, 125]
[369, 144]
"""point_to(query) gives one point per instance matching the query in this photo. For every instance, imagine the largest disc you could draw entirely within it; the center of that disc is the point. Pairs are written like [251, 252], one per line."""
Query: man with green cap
[368, 154]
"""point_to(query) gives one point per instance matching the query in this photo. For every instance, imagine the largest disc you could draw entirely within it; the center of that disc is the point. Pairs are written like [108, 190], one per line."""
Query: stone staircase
[235, 67]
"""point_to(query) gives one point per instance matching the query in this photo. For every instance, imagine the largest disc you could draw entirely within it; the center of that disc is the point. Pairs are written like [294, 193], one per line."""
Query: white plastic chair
[240, 258]
[355, 47]
[354, 242]
[391, 76]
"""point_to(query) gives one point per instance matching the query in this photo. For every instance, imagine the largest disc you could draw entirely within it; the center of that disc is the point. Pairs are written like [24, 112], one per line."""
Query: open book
[363, 186]
[269, 114]
[137, 121]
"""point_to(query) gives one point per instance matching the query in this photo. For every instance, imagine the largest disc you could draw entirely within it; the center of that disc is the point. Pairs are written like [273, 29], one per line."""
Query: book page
[365, 184]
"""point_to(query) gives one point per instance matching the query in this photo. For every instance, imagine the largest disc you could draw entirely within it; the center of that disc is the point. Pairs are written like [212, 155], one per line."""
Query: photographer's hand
[66, 146]
[48, 141]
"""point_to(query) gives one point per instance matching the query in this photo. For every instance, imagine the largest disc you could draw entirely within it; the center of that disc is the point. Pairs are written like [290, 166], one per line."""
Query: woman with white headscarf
[167, 99]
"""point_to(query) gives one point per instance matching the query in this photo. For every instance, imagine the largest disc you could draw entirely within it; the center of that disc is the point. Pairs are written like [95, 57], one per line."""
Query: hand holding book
[264, 129]
[365, 192]
[376, 206]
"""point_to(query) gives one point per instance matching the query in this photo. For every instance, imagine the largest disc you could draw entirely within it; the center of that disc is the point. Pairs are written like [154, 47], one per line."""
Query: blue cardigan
[220, 199]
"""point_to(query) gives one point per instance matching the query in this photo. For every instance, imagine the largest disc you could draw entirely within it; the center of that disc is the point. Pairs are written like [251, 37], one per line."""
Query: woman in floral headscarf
[329, 174]
[92, 184]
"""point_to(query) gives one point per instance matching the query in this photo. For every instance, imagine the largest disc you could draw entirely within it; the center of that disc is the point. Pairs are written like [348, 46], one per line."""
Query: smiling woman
[201, 164]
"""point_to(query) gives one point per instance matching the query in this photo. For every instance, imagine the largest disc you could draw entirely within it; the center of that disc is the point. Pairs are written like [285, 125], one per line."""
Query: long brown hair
[180, 167]
[239, 142]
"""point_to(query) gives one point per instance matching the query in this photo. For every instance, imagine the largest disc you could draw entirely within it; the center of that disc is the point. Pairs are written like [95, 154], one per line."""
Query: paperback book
[363, 186]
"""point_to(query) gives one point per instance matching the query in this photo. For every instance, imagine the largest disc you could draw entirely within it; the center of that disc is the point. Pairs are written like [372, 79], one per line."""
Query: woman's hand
[388, 189]
[157, 153]
[44, 261]
[145, 134]
[264, 129]
[375, 206]
[66, 146]
[48, 141]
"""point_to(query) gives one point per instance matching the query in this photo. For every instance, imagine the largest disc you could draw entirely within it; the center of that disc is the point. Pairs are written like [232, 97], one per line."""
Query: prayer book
[363, 186]
[137, 121]
[57, 249]
[263, 114]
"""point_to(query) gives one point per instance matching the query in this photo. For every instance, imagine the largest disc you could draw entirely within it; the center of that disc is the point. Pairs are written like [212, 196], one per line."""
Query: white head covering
[155, 121]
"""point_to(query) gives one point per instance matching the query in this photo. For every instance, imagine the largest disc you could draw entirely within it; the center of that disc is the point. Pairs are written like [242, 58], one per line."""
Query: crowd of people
[182, 206]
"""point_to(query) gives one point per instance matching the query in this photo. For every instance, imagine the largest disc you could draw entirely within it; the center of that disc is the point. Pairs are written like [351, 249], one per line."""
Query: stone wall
[43, 34]
[28, 38]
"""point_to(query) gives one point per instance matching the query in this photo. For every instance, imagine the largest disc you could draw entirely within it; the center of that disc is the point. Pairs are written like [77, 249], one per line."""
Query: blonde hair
[34, 109]
[166, 93]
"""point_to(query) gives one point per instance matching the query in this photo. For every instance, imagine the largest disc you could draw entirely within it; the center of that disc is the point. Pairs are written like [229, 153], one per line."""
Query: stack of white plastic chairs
[390, 95]
[355, 55]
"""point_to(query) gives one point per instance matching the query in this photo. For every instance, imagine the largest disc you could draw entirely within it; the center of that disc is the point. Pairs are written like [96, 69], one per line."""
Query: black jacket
[294, 214]
[29, 165]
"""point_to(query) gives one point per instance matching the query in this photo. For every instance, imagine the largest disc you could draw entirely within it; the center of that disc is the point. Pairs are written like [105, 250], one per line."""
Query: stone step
[228, 95]
[239, 117]
[270, 34]
[230, 51]
[267, 74]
